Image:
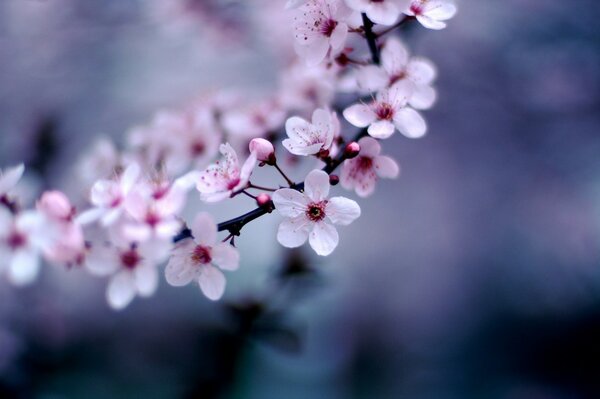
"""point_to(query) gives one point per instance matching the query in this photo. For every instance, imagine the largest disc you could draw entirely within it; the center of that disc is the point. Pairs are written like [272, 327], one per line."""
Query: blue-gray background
[475, 275]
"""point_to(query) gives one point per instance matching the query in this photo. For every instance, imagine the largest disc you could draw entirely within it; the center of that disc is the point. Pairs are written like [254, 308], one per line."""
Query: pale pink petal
[316, 185]
[301, 149]
[101, 261]
[338, 36]
[365, 187]
[146, 279]
[180, 269]
[422, 71]
[167, 228]
[290, 202]
[440, 10]
[359, 115]
[130, 177]
[372, 78]
[10, 177]
[297, 128]
[204, 229]
[111, 216]
[247, 168]
[136, 232]
[225, 256]
[386, 167]
[316, 52]
[410, 123]
[23, 267]
[212, 282]
[423, 97]
[394, 56]
[293, 232]
[430, 23]
[342, 211]
[121, 290]
[215, 197]
[89, 216]
[369, 147]
[381, 129]
[384, 13]
[323, 238]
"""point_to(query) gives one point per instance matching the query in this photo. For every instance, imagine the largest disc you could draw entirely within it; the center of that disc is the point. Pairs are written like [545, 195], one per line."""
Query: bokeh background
[475, 275]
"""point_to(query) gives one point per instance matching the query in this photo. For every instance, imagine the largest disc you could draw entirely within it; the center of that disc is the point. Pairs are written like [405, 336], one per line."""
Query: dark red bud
[352, 150]
[334, 179]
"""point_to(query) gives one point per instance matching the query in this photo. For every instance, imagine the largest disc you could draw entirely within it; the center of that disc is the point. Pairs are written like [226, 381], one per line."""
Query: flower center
[198, 148]
[152, 218]
[316, 211]
[399, 76]
[417, 6]
[327, 27]
[16, 240]
[233, 183]
[365, 163]
[385, 111]
[201, 255]
[130, 258]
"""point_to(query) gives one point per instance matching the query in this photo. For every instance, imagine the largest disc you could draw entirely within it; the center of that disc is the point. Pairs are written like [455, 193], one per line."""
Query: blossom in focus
[22, 238]
[131, 267]
[431, 13]
[311, 215]
[384, 12]
[388, 112]
[226, 176]
[264, 150]
[320, 28]
[109, 197]
[361, 173]
[306, 138]
[396, 66]
[201, 258]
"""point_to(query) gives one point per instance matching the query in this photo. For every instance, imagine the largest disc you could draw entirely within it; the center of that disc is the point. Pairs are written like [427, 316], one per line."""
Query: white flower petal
[323, 238]
[338, 36]
[129, 177]
[440, 10]
[369, 147]
[289, 202]
[423, 97]
[225, 256]
[146, 279]
[10, 177]
[386, 167]
[121, 290]
[293, 232]
[421, 71]
[394, 56]
[316, 185]
[359, 115]
[212, 282]
[204, 229]
[381, 129]
[372, 78]
[342, 211]
[410, 123]
[24, 267]
[180, 269]
[430, 23]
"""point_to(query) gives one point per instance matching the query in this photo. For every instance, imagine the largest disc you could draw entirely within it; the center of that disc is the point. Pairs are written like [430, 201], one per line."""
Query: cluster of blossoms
[133, 222]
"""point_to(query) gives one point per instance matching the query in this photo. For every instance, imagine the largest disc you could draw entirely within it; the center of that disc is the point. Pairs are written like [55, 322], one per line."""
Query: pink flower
[197, 259]
[432, 13]
[384, 12]
[388, 112]
[22, 238]
[225, 177]
[308, 214]
[320, 28]
[361, 173]
[307, 138]
[254, 120]
[109, 197]
[263, 148]
[304, 88]
[9, 179]
[396, 66]
[132, 271]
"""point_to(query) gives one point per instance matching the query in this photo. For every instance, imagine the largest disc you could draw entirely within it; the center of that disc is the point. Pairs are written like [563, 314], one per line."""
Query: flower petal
[423, 97]
[386, 167]
[10, 177]
[146, 279]
[359, 115]
[225, 256]
[369, 147]
[289, 202]
[204, 229]
[293, 232]
[410, 123]
[180, 269]
[24, 267]
[342, 211]
[316, 185]
[212, 282]
[323, 238]
[381, 129]
[120, 290]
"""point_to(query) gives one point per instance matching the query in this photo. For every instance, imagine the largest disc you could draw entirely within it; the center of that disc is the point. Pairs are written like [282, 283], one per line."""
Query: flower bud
[263, 199]
[351, 150]
[56, 205]
[264, 150]
[334, 179]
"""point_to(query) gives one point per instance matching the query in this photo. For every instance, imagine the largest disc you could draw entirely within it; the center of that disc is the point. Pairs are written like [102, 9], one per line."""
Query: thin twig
[371, 38]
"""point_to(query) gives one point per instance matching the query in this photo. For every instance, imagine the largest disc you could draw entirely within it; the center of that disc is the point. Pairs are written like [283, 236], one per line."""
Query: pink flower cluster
[133, 221]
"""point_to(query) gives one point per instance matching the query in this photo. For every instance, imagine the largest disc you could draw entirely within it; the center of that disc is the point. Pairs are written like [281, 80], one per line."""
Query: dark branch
[371, 39]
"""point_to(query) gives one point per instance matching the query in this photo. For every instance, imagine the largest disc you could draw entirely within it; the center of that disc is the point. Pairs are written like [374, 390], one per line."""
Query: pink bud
[264, 150]
[334, 179]
[56, 205]
[352, 150]
[263, 199]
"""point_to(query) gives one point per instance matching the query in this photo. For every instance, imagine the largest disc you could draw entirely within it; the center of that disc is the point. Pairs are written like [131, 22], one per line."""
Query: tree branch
[371, 39]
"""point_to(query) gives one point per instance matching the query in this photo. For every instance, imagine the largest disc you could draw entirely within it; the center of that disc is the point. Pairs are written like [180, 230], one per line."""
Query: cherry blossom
[311, 215]
[131, 267]
[109, 197]
[384, 12]
[265, 152]
[9, 178]
[257, 119]
[225, 177]
[396, 66]
[305, 138]
[22, 238]
[388, 112]
[305, 88]
[361, 173]
[320, 28]
[201, 258]
[431, 13]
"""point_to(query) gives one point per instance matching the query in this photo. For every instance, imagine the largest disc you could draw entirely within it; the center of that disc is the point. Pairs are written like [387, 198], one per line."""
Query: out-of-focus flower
[307, 214]
[361, 173]
[387, 113]
[22, 238]
[132, 269]
[198, 258]
[384, 12]
[224, 177]
[396, 66]
[431, 13]
[305, 88]
[99, 162]
[320, 28]
[305, 138]
[9, 178]
[243, 123]
[109, 197]
[265, 152]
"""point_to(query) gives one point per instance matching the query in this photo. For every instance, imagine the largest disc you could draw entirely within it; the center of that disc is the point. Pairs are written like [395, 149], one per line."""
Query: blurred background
[474, 275]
